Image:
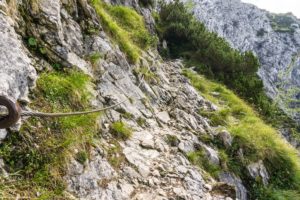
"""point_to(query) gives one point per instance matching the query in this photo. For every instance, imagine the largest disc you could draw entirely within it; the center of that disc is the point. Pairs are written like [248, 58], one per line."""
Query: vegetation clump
[199, 158]
[115, 155]
[126, 27]
[120, 130]
[256, 139]
[37, 154]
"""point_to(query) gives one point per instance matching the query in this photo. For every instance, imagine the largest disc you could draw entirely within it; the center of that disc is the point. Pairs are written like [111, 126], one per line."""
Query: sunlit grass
[258, 140]
[126, 27]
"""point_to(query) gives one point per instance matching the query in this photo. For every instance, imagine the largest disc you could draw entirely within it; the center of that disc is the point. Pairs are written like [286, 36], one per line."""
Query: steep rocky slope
[274, 38]
[165, 106]
[61, 56]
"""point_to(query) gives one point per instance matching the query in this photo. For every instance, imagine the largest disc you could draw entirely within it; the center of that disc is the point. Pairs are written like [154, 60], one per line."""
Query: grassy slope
[126, 27]
[258, 140]
[38, 153]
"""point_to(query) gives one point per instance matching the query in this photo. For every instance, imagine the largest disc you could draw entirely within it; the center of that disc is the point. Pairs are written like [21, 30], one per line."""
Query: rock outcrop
[275, 39]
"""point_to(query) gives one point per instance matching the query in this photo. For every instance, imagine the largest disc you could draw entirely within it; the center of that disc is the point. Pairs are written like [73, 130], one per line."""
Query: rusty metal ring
[14, 113]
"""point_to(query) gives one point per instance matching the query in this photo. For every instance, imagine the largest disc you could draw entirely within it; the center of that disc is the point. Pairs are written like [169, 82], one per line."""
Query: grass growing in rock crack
[148, 75]
[120, 130]
[141, 121]
[38, 153]
[115, 155]
[258, 140]
[126, 27]
[95, 57]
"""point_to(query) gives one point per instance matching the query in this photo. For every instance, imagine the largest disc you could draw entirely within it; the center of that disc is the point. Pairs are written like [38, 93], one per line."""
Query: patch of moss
[95, 57]
[81, 157]
[172, 140]
[141, 121]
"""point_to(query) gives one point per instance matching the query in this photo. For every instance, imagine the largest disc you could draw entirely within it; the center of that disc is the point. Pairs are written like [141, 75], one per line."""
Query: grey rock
[232, 179]
[226, 138]
[186, 146]
[16, 72]
[137, 158]
[259, 170]
[211, 154]
[3, 134]
[163, 117]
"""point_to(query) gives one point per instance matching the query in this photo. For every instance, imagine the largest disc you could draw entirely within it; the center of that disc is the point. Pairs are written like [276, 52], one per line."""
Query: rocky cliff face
[164, 109]
[274, 38]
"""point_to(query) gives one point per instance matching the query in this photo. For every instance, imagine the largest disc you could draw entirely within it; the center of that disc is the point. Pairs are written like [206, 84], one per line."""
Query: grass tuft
[126, 27]
[121, 131]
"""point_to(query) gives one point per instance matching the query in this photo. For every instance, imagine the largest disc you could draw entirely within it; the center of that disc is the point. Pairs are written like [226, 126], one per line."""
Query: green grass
[126, 27]
[81, 157]
[38, 153]
[147, 74]
[95, 57]
[120, 130]
[115, 155]
[172, 140]
[141, 121]
[199, 158]
[258, 140]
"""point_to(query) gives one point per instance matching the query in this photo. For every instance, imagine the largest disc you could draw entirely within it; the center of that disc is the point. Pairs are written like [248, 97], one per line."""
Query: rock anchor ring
[14, 113]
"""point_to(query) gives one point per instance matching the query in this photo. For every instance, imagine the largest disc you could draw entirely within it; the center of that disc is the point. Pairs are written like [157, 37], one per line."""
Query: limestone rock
[225, 137]
[232, 179]
[163, 117]
[258, 170]
[16, 71]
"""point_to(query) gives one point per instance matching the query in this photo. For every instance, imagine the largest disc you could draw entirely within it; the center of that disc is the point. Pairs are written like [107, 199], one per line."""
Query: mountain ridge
[246, 27]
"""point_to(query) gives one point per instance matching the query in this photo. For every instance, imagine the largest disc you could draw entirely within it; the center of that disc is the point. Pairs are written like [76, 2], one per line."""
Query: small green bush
[32, 42]
[120, 130]
[147, 3]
